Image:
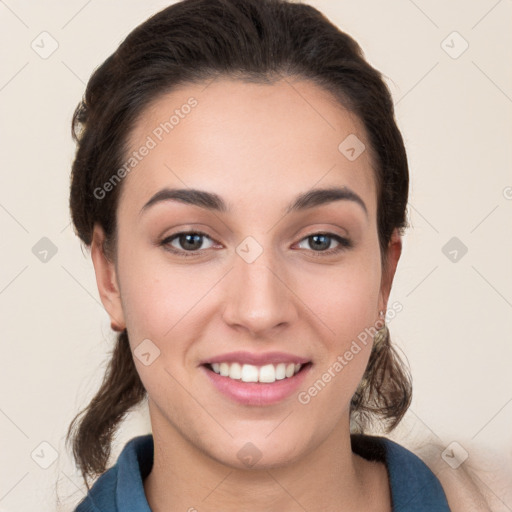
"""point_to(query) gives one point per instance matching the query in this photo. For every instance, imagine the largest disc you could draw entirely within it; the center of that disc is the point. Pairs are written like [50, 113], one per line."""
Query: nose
[259, 298]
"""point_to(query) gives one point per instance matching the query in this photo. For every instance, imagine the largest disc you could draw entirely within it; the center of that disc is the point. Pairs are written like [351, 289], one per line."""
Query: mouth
[253, 385]
[261, 374]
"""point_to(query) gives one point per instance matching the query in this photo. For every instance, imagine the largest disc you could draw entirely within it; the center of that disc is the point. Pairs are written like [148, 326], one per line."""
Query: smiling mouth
[265, 374]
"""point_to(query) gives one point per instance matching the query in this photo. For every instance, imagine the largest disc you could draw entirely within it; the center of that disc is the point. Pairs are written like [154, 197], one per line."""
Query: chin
[257, 453]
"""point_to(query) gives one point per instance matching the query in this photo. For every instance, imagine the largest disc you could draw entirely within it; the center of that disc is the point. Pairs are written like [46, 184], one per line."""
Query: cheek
[160, 304]
[345, 303]
[346, 306]
[158, 296]
[351, 306]
[346, 299]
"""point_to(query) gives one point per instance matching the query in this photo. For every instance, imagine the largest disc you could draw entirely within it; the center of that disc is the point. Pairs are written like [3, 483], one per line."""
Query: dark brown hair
[194, 41]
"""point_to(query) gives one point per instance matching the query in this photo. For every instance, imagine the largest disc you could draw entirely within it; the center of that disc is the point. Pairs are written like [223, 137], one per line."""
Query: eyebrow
[214, 202]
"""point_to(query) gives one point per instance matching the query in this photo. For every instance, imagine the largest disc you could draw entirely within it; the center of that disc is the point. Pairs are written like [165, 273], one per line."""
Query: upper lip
[257, 359]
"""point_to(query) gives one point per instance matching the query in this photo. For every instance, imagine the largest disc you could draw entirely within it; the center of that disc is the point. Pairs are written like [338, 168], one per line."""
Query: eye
[321, 241]
[190, 243]
[187, 241]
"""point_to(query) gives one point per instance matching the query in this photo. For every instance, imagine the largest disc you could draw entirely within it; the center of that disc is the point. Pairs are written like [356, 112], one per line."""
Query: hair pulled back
[195, 41]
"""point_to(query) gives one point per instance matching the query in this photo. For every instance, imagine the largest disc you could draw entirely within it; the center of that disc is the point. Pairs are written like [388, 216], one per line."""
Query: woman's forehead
[253, 137]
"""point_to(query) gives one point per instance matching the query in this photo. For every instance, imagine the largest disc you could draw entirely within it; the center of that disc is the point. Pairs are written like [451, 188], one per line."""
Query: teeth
[251, 373]
[280, 371]
[235, 371]
[267, 373]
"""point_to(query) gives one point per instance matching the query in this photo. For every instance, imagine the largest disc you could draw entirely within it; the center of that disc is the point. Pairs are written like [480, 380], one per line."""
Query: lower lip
[257, 393]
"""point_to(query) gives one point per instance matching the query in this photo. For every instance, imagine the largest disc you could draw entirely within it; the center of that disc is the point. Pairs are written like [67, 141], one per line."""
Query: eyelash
[344, 244]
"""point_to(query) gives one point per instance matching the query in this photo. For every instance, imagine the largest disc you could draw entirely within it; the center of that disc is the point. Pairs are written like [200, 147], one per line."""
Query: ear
[394, 251]
[106, 279]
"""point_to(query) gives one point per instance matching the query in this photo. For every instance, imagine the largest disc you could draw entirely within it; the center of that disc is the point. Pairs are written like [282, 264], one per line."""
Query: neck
[330, 477]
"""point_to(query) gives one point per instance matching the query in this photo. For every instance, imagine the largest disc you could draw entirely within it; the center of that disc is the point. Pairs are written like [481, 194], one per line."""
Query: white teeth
[251, 373]
[235, 371]
[280, 371]
[267, 373]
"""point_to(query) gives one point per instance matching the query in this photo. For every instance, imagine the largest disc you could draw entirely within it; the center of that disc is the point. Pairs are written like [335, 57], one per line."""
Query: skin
[258, 146]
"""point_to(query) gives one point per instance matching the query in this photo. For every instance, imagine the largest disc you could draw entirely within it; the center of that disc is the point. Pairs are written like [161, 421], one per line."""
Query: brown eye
[319, 242]
[186, 242]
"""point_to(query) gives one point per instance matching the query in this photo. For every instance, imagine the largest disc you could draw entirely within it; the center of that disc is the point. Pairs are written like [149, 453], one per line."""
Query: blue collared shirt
[414, 488]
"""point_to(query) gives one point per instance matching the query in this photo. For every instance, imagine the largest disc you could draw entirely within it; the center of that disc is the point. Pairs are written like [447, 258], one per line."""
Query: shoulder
[460, 483]
[413, 485]
[121, 486]
[102, 494]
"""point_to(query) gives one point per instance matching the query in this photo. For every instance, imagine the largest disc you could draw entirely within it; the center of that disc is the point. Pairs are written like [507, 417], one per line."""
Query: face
[251, 270]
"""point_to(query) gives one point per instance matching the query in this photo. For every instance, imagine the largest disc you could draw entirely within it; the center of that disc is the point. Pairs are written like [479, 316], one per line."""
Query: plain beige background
[454, 107]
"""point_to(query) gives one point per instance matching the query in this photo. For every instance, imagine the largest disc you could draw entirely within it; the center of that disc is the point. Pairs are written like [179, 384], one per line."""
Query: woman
[242, 185]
